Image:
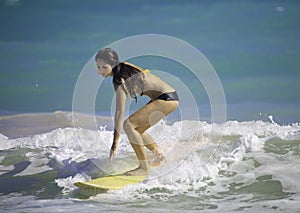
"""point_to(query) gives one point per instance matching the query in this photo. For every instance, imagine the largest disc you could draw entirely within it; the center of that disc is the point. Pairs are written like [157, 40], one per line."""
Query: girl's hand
[111, 155]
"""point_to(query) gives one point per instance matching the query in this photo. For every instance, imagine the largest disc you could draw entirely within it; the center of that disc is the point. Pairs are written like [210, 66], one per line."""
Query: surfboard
[114, 182]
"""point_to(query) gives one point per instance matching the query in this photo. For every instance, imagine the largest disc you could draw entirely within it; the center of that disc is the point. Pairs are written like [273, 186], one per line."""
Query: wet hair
[125, 74]
[109, 56]
[130, 77]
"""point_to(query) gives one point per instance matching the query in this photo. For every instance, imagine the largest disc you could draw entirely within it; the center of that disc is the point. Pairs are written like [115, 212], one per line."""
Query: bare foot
[156, 162]
[158, 159]
[137, 172]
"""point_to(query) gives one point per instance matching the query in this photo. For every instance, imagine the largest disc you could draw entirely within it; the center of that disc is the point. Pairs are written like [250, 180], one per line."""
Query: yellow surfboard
[111, 182]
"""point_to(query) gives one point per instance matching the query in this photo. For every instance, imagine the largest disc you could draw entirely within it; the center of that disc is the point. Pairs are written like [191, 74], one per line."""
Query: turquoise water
[243, 164]
[253, 46]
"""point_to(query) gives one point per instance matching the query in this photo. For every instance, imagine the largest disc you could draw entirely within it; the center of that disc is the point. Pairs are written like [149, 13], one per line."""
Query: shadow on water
[42, 185]
[86, 193]
[69, 168]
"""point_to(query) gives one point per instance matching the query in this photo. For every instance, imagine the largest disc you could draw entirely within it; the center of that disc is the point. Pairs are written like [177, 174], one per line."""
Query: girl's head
[106, 60]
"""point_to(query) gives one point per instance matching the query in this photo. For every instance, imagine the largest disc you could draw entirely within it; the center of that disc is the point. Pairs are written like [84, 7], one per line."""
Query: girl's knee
[127, 125]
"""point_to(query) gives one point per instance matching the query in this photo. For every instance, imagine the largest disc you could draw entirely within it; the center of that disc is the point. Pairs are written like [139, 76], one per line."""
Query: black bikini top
[130, 77]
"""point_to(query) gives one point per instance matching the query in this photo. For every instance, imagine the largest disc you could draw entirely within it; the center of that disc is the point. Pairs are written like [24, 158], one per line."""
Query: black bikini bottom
[170, 96]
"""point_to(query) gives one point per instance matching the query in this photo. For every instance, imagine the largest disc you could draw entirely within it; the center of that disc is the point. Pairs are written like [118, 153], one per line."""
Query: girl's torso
[136, 80]
[154, 86]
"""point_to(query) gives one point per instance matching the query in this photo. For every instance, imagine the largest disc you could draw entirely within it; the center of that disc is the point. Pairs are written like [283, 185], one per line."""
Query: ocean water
[253, 46]
[245, 166]
[246, 163]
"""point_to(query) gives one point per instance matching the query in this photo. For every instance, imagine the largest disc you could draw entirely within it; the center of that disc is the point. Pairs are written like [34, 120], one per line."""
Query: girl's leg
[158, 157]
[149, 142]
[137, 124]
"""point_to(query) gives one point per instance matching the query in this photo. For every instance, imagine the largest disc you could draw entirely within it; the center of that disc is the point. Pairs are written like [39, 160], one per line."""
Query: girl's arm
[118, 120]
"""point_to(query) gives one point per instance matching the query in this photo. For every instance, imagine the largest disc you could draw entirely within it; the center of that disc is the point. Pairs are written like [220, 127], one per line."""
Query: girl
[131, 80]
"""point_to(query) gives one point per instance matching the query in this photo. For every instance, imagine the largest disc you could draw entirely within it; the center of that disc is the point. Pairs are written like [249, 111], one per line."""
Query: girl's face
[104, 68]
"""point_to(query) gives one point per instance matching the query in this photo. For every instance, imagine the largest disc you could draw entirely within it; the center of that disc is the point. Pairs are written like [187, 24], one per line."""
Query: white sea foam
[195, 159]
[68, 183]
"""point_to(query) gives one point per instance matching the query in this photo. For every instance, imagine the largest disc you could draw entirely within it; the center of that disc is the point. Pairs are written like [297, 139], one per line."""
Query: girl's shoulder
[133, 66]
[124, 70]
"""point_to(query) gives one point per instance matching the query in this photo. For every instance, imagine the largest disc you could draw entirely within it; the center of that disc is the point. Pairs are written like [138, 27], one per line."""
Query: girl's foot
[137, 172]
[158, 158]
